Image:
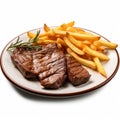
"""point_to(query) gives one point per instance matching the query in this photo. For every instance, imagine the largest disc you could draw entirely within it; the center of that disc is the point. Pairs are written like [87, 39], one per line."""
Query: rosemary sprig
[27, 45]
[34, 40]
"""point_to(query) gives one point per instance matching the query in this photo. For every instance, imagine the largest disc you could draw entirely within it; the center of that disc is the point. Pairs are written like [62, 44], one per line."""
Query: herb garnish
[30, 45]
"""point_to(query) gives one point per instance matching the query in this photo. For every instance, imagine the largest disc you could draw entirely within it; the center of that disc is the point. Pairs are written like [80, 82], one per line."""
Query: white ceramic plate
[96, 80]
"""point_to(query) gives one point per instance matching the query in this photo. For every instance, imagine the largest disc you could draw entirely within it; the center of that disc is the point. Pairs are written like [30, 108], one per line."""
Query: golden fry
[70, 24]
[83, 61]
[73, 47]
[49, 34]
[59, 45]
[46, 28]
[101, 48]
[75, 29]
[108, 44]
[44, 38]
[100, 68]
[66, 25]
[84, 36]
[59, 40]
[86, 42]
[31, 35]
[78, 36]
[95, 53]
[45, 41]
[74, 41]
[93, 47]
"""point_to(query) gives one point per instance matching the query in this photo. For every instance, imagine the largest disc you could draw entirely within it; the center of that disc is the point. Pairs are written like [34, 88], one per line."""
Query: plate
[96, 81]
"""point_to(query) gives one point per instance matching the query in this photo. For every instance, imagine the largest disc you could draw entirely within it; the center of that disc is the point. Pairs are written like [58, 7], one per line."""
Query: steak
[48, 65]
[76, 73]
[23, 60]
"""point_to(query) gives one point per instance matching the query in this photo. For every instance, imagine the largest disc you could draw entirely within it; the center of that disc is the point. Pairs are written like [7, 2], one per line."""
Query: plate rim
[59, 94]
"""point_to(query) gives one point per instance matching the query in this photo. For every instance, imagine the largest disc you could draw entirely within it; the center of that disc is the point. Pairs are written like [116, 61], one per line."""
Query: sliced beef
[48, 64]
[76, 73]
[23, 60]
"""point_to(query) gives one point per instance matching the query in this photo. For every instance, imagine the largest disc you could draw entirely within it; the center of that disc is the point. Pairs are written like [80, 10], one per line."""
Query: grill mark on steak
[76, 73]
[54, 81]
[50, 65]
[49, 72]
[41, 64]
[54, 57]
[76, 70]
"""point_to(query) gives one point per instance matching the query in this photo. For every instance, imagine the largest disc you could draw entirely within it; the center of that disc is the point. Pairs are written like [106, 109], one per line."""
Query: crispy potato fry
[46, 28]
[59, 40]
[44, 38]
[78, 36]
[100, 68]
[74, 41]
[95, 53]
[49, 33]
[93, 47]
[83, 61]
[31, 35]
[70, 24]
[86, 42]
[45, 41]
[75, 29]
[84, 36]
[59, 45]
[96, 43]
[101, 48]
[108, 44]
[66, 25]
[73, 47]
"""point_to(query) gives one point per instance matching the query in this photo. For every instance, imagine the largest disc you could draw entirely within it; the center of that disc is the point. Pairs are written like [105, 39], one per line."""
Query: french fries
[74, 41]
[87, 48]
[74, 29]
[45, 41]
[108, 44]
[95, 53]
[73, 47]
[79, 36]
[99, 66]
[66, 25]
[83, 61]
[62, 42]
[46, 28]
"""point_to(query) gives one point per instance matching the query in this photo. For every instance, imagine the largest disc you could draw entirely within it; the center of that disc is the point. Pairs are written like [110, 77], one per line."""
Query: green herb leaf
[27, 45]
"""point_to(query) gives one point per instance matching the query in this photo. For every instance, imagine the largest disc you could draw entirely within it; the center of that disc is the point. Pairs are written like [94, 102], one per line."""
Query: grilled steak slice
[76, 73]
[48, 65]
[22, 59]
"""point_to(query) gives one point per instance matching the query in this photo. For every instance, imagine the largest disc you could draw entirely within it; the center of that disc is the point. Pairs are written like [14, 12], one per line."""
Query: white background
[101, 16]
